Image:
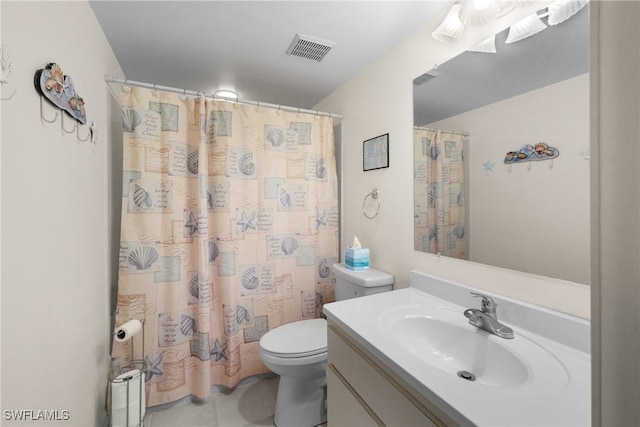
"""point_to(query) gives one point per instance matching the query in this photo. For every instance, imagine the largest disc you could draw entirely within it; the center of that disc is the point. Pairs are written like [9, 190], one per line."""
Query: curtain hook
[258, 106]
[126, 88]
[183, 97]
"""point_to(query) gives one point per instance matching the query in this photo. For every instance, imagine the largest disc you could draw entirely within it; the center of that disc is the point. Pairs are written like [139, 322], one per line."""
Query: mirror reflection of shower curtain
[439, 187]
[229, 229]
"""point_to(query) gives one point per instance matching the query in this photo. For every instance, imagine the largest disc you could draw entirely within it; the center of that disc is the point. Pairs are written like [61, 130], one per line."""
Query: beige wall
[379, 100]
[532, 220]
[55, 220]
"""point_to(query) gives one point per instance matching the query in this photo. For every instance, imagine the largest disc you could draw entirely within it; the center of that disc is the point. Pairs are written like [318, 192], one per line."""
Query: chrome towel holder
[374, 194]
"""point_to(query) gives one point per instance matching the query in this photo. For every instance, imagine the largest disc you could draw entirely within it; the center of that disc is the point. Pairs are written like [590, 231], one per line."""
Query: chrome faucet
[486, 318]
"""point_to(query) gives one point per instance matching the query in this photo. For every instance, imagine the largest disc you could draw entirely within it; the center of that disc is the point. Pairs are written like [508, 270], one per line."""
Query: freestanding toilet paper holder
[140, 366]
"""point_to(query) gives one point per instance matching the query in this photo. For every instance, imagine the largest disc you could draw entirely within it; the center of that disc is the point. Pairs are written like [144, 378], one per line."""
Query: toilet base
[301, 402]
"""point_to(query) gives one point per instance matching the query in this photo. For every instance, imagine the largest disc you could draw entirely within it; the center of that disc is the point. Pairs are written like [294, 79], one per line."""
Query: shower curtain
[229, 229]
[439, 211]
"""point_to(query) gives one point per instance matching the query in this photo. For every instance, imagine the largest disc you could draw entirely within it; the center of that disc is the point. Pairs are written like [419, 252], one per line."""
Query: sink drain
[466, 375]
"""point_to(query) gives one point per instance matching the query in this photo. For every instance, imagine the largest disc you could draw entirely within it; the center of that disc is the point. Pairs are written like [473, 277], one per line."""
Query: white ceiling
[240, 45]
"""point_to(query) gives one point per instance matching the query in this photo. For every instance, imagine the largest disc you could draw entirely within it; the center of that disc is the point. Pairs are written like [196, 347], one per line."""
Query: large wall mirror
[529, 99]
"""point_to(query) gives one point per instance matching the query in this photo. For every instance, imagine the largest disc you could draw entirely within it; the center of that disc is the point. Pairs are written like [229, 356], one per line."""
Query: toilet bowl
[297, 351]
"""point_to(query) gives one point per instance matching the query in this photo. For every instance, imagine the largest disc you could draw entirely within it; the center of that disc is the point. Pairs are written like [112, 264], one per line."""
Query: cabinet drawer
[392, 406]
[342, 407]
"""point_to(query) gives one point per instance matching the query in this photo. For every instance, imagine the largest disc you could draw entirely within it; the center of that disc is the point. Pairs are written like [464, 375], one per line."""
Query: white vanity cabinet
[363, 392]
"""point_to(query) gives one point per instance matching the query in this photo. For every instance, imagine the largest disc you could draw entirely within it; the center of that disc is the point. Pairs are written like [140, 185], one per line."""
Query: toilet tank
[353, 284]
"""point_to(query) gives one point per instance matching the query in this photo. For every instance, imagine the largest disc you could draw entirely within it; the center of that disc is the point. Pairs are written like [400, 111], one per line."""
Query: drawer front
[343, 409]
[391, 405]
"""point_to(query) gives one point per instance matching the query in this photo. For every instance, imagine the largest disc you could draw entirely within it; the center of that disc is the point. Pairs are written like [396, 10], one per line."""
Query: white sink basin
[445, 340]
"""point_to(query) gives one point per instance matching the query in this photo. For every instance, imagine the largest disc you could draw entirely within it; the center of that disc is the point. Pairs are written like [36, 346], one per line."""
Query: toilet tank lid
[369, 278]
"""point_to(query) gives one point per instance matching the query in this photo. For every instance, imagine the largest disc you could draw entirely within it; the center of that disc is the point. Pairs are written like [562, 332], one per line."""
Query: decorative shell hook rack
[58, 90]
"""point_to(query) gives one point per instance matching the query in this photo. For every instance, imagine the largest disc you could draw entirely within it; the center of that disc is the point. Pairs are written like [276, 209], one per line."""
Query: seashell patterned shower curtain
[439, 211]
[229, 229]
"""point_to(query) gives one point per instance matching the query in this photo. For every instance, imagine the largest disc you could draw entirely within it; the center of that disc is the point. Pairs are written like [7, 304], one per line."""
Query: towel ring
[374, 194]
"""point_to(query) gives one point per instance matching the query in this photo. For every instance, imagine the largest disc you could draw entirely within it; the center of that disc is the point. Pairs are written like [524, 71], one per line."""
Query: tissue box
[356, 258]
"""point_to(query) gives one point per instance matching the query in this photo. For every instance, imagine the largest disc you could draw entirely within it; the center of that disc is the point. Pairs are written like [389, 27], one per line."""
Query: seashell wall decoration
[289, 245]
[249, 279]
[192, 162]
[58, 89]
[143, 257]
[274, 136]
[528, 152]
[130, 119]
[246, 164]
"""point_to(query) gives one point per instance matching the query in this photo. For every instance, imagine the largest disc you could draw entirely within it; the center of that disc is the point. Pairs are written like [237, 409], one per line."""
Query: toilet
[297, 351]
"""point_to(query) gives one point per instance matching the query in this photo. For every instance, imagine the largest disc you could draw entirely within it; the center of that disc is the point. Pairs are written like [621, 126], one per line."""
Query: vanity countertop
[550, 381]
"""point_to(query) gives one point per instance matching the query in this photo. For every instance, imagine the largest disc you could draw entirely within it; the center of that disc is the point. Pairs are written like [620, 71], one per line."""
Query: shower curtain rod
[443, 130]
[110, 79]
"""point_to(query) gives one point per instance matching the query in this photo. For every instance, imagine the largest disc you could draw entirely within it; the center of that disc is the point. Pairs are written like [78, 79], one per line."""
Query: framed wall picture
[375, 153]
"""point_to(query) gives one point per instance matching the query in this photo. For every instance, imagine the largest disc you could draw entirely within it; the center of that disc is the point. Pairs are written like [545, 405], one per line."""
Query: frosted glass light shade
[451, 28]
[561, 10]
[485, 46]
[525, 28]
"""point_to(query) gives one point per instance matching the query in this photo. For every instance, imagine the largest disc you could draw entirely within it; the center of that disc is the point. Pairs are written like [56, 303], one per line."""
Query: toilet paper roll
[127, 330]
[128, 399]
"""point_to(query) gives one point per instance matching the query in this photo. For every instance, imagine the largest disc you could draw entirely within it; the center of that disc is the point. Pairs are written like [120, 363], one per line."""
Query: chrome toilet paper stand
[139, 364]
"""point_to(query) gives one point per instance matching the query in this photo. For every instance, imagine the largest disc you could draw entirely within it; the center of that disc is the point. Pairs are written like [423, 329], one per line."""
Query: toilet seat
[296, 340]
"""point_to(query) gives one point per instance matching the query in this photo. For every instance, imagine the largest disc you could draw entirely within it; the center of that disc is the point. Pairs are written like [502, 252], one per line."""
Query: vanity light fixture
[451, 28]
[481, 4]
[226, 94]
[482, 12]
[485, 46]
[561, 10]
[524, 28]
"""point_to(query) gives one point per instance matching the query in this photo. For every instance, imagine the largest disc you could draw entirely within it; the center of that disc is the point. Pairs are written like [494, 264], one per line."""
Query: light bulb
[481, 4]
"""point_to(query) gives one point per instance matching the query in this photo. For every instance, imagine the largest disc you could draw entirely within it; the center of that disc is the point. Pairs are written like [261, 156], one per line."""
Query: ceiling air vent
[309, 47]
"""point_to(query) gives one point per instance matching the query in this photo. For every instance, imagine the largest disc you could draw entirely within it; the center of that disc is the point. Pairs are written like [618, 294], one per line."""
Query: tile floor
[251, 403]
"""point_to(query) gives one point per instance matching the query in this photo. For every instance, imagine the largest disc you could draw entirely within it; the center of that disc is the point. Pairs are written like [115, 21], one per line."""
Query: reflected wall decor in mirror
[527, 216]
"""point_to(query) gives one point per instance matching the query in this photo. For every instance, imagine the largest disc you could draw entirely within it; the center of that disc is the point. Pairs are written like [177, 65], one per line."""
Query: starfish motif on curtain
[219, 350]
[321, 218]
[246, 221]
[153, 368]
[192, 224]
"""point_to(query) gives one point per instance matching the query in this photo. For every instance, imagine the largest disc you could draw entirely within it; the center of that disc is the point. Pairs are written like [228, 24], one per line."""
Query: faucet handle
[488, 304]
